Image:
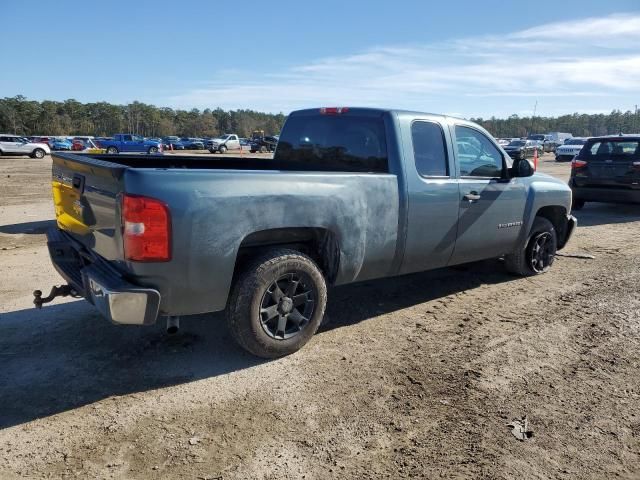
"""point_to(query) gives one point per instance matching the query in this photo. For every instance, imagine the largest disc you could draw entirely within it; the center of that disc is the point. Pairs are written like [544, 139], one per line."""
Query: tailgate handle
[78, 183]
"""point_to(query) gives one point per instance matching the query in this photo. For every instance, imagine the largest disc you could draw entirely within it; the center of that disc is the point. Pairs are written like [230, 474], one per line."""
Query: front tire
[538, 252]
[152, 150]
[222, 149]
[112, 150]
[277, 304]
[38, 153]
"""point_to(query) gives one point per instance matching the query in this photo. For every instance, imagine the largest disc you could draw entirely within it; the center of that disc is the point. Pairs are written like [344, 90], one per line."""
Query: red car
[46, 140]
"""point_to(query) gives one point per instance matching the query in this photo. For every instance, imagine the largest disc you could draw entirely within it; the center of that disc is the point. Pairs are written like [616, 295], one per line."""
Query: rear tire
[152, 150]
[263, 149]
[38, 153]
[112, 150]
[538, 252]
[277, 304]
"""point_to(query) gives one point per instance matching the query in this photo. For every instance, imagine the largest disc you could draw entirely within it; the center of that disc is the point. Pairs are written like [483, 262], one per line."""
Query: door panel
[432, 224]
[489, 226]
[491, 206]
[433, 196]
[24, 147]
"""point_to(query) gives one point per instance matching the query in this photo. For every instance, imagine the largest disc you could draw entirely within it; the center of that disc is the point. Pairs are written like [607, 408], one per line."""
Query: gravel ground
[415, 376]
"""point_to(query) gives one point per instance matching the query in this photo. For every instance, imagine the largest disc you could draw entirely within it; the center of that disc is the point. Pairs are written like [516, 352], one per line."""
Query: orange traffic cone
[535, 159]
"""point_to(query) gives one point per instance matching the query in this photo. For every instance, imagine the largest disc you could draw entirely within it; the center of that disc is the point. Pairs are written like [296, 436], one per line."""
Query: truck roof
[307, 111]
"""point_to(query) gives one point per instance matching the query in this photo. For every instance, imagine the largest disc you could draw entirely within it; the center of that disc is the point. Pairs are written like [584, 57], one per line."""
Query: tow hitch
[61, 291]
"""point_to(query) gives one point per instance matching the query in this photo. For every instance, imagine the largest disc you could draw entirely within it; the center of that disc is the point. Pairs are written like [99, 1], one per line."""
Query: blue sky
[466, 58]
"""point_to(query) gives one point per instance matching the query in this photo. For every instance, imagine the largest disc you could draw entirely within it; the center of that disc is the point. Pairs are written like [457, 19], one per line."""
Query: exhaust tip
[173, 325]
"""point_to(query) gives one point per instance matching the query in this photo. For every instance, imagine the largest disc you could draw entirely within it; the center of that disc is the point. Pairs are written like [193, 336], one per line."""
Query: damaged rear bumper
[92, 277]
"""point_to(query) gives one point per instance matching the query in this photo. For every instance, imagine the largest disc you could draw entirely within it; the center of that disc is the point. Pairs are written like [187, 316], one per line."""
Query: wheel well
[318, 243]
[557, 216]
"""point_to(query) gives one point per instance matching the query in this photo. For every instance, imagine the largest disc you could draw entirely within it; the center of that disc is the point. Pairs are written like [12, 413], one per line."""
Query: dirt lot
[412, 377]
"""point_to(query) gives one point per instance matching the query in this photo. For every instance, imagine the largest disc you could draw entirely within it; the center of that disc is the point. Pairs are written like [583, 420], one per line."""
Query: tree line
[70, 117]
[29, 117]
[578, 124]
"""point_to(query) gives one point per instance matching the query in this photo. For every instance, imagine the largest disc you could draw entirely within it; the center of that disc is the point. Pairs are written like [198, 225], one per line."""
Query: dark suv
[607, 169]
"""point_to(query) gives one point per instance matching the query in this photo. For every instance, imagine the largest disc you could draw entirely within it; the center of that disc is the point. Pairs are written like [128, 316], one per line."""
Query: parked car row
[130, 143]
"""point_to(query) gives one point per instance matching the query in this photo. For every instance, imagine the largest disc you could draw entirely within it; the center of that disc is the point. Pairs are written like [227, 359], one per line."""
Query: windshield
[536, 137]
[338, 142]
[517, 143]
[575, 141]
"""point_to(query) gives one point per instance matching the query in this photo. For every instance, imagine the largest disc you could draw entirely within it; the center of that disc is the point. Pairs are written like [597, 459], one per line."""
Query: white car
[570, 149]
[16, 145]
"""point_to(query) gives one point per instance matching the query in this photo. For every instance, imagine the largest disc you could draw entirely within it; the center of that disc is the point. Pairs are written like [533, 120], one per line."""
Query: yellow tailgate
[68, 206]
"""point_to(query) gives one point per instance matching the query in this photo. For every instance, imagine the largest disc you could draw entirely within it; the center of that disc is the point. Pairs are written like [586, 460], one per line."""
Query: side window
[477, 155]
[126, 138]
[429, 149]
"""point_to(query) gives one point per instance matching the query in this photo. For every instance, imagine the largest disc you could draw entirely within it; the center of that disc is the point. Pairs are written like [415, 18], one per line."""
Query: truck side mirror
[522, 168]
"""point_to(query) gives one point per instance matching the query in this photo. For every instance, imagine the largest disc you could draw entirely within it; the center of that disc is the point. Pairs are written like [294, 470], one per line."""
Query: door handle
[472, 197]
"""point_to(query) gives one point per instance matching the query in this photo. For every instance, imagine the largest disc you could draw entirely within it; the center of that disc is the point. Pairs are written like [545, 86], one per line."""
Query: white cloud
[589, 64]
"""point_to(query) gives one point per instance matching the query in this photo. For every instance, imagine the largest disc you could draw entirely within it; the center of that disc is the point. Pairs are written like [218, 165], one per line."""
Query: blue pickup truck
[351, 194]
[127, 143]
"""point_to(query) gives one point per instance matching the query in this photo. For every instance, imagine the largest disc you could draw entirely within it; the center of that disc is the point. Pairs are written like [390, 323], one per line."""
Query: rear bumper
[604, 194]
[116, 299]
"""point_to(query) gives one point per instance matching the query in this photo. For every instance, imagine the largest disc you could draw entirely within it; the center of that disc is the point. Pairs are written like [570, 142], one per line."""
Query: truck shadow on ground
[607, 213]
[66, 356]
[33, 228]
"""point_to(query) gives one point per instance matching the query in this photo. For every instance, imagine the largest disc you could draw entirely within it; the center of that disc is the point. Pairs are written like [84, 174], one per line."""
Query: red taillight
[575, 163]
[333, 110]
[146, 229]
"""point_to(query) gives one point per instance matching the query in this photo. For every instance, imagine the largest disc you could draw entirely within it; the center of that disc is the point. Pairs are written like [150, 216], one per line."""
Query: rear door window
[429, 149]
[344, 142]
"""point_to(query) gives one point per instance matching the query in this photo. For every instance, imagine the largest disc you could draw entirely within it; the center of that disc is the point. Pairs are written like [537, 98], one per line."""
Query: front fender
[544, 192]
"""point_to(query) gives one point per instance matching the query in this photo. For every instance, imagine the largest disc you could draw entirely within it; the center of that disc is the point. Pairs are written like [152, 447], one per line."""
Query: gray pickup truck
[351, 194]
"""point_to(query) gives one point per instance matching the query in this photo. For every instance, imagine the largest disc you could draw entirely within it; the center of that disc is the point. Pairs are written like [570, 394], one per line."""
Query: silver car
[11, 144]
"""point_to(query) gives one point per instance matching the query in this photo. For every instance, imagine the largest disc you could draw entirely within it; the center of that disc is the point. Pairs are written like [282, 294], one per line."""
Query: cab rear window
[348, 142]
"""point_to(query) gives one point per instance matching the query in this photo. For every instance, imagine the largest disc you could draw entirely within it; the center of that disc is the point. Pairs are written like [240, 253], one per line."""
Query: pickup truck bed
[215, 207]
[350, 195]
